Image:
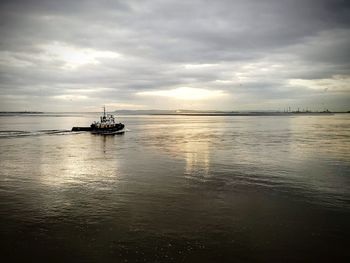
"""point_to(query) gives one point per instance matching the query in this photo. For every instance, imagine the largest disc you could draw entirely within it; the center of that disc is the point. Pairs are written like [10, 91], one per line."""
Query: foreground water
[175, 189]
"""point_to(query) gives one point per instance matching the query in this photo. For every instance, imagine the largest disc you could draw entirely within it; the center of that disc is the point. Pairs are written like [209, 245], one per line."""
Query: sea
[175, 189]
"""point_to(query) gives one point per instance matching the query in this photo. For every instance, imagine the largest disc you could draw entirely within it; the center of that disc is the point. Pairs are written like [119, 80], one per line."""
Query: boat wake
[15, 133]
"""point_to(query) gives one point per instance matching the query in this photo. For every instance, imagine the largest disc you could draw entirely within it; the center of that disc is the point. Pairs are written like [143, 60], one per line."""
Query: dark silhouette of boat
[106, 125]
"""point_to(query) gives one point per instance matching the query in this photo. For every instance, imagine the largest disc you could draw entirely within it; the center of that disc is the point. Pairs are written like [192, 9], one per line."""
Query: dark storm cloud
[252, 49]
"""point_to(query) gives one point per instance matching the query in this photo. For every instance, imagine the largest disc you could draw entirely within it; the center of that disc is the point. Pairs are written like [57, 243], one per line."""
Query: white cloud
[74, 57]
[185, 93]
[70, 97]
[199, 66]
[336, 83]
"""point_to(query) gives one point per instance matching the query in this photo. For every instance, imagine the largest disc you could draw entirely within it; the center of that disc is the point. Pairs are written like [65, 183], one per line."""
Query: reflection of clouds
[202, 142]
[326, 137]
[186, 138]
[79, 161]
[197, 158]
[77, 173]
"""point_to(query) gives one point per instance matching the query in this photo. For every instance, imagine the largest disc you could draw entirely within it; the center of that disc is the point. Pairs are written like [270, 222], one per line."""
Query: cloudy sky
[172, 54]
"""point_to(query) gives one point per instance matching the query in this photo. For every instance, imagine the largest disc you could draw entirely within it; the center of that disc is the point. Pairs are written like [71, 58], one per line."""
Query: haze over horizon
[195, 55]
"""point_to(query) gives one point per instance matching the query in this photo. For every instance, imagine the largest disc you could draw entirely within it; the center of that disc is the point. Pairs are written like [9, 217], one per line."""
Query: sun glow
[184, 93]
[74, 57]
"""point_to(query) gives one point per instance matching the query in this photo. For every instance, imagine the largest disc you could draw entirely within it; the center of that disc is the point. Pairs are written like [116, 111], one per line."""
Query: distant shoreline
[250, 114]
[21, 112]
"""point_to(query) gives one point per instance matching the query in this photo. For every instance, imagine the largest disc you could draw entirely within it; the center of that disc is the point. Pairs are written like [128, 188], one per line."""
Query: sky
[171, 54]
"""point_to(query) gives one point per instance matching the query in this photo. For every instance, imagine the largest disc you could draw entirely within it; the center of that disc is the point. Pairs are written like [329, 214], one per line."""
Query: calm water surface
[175, 189]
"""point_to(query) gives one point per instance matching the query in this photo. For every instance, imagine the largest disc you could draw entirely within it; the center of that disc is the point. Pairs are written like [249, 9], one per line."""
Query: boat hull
[117, 129]
[108, 132]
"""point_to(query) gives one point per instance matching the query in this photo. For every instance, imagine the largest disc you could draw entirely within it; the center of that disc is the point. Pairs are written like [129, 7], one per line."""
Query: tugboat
[106, 125]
